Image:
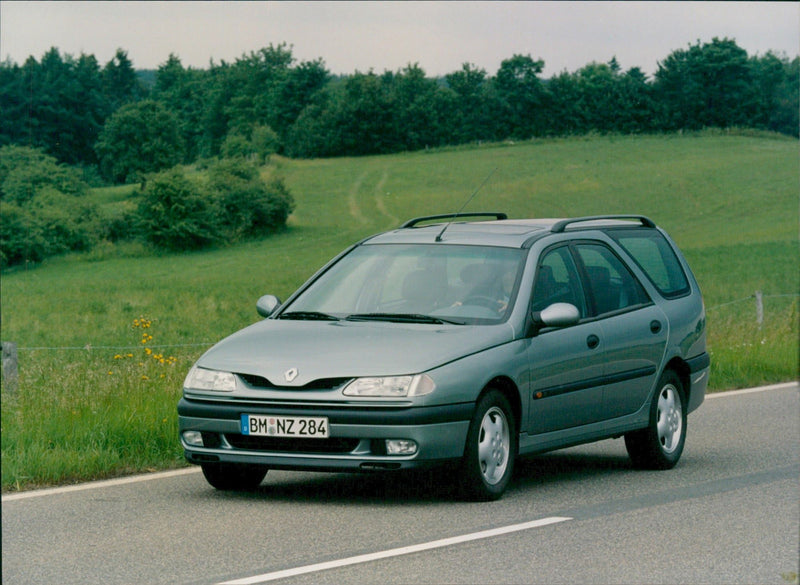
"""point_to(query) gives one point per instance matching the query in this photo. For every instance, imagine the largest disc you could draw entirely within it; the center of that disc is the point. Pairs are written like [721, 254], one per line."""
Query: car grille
[257, 443]
[261, 382]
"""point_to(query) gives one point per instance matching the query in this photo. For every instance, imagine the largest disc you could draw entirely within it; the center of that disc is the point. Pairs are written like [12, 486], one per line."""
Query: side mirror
[267, 304]
[556, 315]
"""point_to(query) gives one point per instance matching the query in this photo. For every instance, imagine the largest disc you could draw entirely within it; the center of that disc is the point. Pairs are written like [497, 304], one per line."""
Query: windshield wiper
[308, 316]
[401, 318]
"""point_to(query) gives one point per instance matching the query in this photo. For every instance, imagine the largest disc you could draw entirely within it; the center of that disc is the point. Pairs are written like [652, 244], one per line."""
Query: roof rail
[560, 226]
[452, 216]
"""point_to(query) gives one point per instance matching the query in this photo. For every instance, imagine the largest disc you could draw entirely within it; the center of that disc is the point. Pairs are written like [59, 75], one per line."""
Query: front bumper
[356, 443]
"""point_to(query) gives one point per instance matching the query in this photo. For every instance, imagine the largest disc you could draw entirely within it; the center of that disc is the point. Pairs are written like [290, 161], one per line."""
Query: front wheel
[660, 445]
[234, 476]
[488, 461]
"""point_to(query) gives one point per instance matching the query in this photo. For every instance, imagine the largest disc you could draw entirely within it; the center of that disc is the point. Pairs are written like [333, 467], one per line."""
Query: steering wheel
[482, 301]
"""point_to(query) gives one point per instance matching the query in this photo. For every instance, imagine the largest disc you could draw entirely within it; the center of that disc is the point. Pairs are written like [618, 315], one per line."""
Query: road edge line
[78, 487]
[729, 393]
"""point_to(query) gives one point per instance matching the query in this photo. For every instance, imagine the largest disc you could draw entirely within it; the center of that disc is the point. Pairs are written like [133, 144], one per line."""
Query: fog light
[194, 438]
[400, 447]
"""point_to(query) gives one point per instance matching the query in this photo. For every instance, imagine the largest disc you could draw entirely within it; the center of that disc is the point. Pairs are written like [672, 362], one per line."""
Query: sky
[439, 36]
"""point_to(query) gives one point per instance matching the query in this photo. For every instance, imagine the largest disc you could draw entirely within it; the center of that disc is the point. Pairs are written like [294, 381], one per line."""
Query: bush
[21, 236]
[43, 212]
[275, 211]
[175, 215]
[258, 146]
[25, 171]
[235, 202]
[122, 224]
[249, 206]
[265, 142]
[70, 224]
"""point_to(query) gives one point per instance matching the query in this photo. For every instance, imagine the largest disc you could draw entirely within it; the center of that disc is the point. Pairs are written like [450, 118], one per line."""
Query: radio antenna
[471, 197]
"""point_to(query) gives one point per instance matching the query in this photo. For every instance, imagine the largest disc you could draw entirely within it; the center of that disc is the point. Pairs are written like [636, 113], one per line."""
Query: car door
[566, 364]
[634, 329]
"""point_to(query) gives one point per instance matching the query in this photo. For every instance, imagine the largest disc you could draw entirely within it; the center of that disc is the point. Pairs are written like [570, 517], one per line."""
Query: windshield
[426, 283]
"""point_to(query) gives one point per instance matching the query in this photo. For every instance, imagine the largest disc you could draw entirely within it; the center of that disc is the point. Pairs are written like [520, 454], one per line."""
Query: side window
[656, 258]
[557, 281]
[611, 285]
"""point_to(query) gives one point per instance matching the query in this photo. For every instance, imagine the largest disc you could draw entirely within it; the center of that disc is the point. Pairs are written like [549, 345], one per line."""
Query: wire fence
[753, 296]
[89, 346]
[758, 296]
[10, 350]
[759, 303]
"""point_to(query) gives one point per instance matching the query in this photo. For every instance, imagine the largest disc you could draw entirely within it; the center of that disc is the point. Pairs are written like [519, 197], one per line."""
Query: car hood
[344, 349]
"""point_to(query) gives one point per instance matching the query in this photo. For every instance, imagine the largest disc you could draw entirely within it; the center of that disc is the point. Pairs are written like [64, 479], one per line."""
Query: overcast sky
[439, 36]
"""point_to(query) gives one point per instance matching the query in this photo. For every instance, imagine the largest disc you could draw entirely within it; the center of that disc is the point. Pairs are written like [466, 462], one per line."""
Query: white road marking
[396, 552]
[79, 487]
[729, 393]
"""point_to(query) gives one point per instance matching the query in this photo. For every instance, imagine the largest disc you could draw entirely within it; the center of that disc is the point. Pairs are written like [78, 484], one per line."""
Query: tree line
[113, 124]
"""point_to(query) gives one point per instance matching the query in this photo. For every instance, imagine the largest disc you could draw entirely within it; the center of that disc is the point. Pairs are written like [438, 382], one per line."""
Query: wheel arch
[681, 368]
[509, 389]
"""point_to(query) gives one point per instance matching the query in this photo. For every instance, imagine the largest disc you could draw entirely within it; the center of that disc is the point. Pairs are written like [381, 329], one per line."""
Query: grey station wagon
[451, 340]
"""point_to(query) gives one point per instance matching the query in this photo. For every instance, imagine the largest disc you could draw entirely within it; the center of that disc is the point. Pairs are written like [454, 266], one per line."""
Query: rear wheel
[660, 445]
[234, 476]
[488, 461]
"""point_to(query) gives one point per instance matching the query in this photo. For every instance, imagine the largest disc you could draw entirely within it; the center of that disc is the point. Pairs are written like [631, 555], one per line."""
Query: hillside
[106, 338]
[729, 201]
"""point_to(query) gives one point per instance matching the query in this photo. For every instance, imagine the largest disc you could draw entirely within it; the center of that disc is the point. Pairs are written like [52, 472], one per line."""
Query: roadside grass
[80, 412]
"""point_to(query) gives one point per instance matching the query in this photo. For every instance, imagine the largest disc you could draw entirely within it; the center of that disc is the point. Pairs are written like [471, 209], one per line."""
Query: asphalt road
[728, 513]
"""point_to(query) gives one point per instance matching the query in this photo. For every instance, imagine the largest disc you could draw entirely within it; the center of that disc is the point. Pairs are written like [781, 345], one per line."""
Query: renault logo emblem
[290, 375]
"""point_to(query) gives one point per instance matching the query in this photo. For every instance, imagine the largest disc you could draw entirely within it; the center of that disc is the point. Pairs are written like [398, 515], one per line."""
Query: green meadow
[97, 389]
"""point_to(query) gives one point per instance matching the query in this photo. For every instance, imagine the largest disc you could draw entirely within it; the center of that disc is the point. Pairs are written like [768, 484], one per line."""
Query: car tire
[234, 476]
[660, 445]
[488, 461]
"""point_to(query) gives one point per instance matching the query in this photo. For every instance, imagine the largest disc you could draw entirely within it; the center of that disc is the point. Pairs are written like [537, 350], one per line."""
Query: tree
[366, 116]
[637, 107]
[139, 138]
[296, 91]
[567, 113]
[14, 122]
[316, 132]
[786, 116]
[474, 104]
[184, 92]
[418, 120]
[708, 85]
[120, 84]
[55, 104]
[776, 82]
[523, 97]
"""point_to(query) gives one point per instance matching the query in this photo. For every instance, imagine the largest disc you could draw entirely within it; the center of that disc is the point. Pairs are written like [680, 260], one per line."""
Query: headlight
[391, 387]
[203, 379]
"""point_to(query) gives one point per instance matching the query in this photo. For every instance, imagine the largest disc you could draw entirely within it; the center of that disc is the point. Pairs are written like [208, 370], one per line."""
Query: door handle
[655, 326]
[592, 341]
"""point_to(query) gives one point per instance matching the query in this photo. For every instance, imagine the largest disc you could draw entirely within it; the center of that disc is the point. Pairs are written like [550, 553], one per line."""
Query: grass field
[94, 400]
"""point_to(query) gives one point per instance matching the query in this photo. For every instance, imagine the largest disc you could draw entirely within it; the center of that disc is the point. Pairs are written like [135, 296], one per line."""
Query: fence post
[10, 367]
[759, 308]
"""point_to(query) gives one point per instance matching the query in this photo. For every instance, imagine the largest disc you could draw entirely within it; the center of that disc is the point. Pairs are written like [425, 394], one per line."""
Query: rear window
[653, 254]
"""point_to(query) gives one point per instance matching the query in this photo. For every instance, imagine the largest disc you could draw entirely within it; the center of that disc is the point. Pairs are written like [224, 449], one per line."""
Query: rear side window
[611, 285]
[656, 258]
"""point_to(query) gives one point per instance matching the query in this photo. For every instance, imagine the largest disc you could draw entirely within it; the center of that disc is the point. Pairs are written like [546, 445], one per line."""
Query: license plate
[301, 427]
